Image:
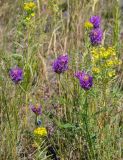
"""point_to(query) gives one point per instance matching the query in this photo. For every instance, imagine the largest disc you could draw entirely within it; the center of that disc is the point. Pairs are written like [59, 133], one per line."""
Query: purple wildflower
[16, 74]
[95, 20]
[86, 81]
[60, 64]
[37, 109]
[96, 36]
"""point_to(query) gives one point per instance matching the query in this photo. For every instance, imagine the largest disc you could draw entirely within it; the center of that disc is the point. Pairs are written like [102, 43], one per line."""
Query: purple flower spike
[16, 74]
[96, 36]
[86, 81]
[95, 20]
[60, 65]
[37, 109]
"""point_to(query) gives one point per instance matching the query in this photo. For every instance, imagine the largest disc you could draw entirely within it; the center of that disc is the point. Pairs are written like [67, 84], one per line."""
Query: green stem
[59, 84]
[86, 127]
[36, 120]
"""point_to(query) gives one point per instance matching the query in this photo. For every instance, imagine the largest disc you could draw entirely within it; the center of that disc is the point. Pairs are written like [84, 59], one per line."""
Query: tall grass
[85, 125]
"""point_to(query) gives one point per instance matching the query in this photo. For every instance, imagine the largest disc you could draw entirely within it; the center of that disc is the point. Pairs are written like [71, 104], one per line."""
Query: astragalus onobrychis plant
[61, 97]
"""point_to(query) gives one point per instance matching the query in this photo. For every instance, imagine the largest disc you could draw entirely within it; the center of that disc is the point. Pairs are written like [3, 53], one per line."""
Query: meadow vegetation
[61, 80]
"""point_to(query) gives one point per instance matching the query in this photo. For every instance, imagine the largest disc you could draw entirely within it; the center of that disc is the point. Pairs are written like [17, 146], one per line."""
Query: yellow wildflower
[95, 70]
[110, 63]
[111, 50]
[32, 14]
[116, 61]
[26, 7]
[29, 6]
[32, 5]
[105, 54]
[40, 131]
[111, 73]
[88, 25]
[95, 54]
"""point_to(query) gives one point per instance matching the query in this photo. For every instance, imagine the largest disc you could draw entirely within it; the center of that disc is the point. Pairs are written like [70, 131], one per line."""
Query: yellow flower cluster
[40, 131]
[29, 6]
[111, 73]
[103, 53]
[88, 25]
[104, 60]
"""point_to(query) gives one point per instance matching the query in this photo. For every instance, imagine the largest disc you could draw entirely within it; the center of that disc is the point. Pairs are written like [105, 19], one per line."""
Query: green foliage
[81, 125]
